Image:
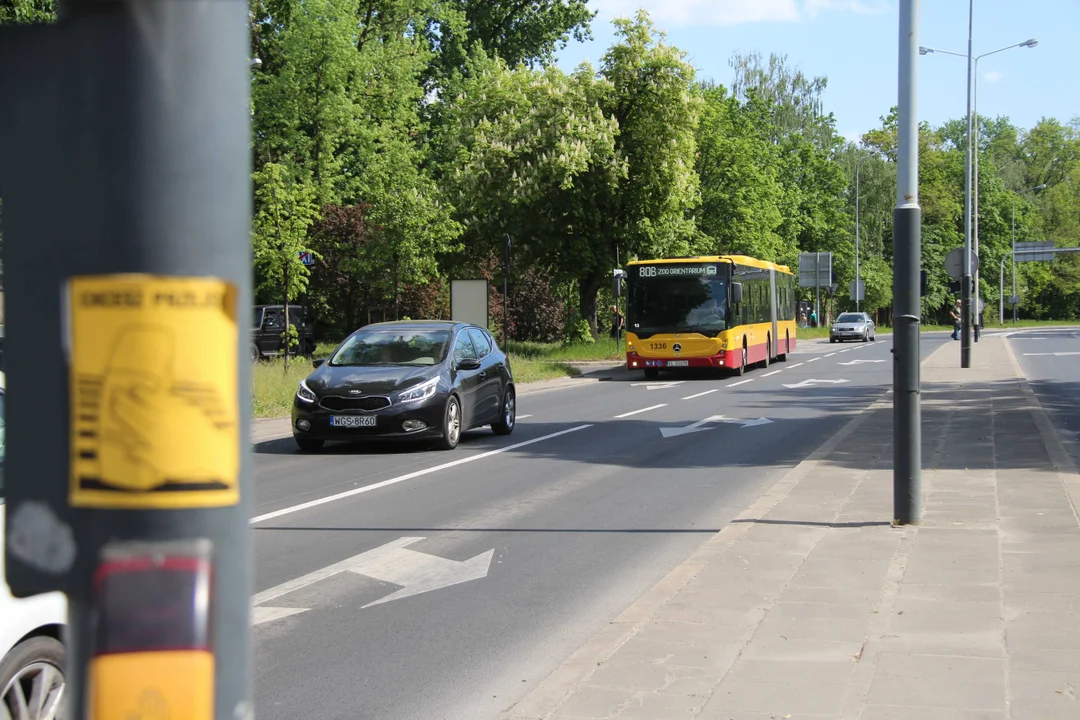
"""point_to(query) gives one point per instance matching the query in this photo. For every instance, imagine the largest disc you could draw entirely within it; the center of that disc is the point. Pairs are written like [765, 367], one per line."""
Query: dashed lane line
[772, 373]
[402, 478]
[700, 394]
[741, 382]
[638, 412]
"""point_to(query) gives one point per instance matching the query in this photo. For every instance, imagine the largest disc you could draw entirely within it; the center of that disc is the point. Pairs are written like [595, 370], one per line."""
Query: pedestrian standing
[616, 322]
[955, 315]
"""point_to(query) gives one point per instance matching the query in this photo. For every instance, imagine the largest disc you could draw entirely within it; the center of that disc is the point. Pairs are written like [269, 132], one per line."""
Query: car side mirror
[468, 364]
[736, 293]
[318, 362]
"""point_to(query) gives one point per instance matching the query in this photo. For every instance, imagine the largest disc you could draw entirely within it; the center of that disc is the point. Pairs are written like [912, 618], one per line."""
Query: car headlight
[423, 391]
[304, 394]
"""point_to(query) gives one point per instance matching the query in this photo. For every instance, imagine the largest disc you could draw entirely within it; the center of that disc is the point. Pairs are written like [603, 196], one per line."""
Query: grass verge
[273, 388]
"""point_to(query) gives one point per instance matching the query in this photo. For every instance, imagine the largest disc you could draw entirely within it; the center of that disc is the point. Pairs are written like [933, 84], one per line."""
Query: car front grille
[368, 403]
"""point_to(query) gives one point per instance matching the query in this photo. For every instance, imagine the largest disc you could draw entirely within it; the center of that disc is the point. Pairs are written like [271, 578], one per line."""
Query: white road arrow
[860, 362]
[1057, 354]
[416, 572]
[658, 385]
[815, 381]
[704, 425]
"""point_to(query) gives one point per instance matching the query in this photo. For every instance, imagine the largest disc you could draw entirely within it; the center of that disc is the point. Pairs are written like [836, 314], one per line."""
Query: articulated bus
[726, 311]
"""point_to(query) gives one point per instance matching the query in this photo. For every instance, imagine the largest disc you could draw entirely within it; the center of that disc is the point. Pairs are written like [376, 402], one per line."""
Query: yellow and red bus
[720, 311]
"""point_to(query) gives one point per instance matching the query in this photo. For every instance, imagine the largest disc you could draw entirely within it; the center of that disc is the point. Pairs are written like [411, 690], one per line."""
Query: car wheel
[832, 340]
[32, 680]
[451, 425]
[255, 354]
[307, 444]
[508, 415]
[651, 373]
[768, 351]
[866, 336]
[742, 364]
[782, 357]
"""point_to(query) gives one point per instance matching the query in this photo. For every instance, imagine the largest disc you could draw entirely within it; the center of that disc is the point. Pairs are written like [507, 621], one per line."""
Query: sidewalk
[811, 606]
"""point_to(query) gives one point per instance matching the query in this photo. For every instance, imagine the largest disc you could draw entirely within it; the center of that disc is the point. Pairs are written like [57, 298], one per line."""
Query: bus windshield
[683, 303]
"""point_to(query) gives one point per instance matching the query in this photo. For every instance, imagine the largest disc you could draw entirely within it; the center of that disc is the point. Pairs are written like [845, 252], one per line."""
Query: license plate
[678, 363]
[352, 421]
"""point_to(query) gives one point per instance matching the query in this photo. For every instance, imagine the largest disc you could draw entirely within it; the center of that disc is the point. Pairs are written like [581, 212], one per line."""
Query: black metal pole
[125, 171]
[907, 244]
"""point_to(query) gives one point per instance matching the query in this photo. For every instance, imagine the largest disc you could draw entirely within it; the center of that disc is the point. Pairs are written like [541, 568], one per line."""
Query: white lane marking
[658, 385]
[792, 367]
[813, 360]
[402, 478]
[700, 394]
[1054, 354]
[772, 373]
[860, 362]
[741, 382]
[846, 350]
[830, 354]
[635, 412]
[815, 381]
[522, 417]
[705, 425]
[416, 572]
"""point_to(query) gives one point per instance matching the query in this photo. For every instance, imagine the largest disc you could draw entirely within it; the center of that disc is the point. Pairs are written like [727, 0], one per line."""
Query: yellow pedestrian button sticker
[154, 406]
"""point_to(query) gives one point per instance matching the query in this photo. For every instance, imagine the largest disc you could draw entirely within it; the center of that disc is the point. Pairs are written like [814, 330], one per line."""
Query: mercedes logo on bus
[677, 347]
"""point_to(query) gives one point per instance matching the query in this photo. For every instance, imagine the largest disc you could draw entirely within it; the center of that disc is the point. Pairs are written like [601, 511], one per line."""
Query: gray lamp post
[972, 203]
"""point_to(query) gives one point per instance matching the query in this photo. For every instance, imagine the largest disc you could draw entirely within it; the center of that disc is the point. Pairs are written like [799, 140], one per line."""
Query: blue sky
[854, 44]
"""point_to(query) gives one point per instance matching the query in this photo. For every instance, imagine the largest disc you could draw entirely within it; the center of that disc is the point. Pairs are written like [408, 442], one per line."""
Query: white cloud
[734, 12]
[992, 77]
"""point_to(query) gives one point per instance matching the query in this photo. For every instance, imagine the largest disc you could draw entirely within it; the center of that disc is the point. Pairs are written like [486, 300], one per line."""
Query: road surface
[548, 533]
[1050, 358]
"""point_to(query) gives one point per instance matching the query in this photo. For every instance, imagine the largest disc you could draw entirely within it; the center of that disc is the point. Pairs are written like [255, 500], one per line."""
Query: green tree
[579, 167]
[22, 12]
[741, 194]
[286, 199]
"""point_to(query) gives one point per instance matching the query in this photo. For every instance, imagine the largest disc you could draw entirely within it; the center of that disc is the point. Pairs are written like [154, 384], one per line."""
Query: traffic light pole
[125, 173]
[907, 244]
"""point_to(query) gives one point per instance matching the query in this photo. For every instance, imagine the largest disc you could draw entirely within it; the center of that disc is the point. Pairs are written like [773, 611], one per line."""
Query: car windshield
[850, 318]
[393, 346]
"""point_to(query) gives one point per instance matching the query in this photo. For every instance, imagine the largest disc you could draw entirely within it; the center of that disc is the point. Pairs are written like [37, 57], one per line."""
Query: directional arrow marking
[658, 385]
[1057, 354]
[416, 572]
[860, 362]
[704, 425]
[815, 381]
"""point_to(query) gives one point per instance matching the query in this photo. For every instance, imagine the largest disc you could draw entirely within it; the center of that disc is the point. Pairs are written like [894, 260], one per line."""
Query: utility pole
[125, 168]
[965, 280]
[506, 290]
[907, 243]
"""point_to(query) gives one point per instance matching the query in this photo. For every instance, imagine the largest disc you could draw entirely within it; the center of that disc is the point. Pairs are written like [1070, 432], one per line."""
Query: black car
[406, 380]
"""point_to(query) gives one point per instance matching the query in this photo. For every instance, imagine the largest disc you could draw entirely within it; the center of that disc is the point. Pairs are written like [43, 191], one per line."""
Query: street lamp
[972, 204]
[256, 63]
[1037, 188]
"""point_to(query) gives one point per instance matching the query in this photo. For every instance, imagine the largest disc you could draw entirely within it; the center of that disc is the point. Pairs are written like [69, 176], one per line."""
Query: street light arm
[995, 52]
[943, 52]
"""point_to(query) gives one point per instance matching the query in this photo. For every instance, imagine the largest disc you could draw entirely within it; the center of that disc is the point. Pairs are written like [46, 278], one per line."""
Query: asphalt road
[583, 509]
[1050, 358]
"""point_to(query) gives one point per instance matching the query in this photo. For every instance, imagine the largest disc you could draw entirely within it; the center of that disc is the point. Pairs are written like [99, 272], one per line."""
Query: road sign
[307, 258]
[858, 294]
[1014, 300]
[954, 263]
[815, 270]
[1034, 251]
